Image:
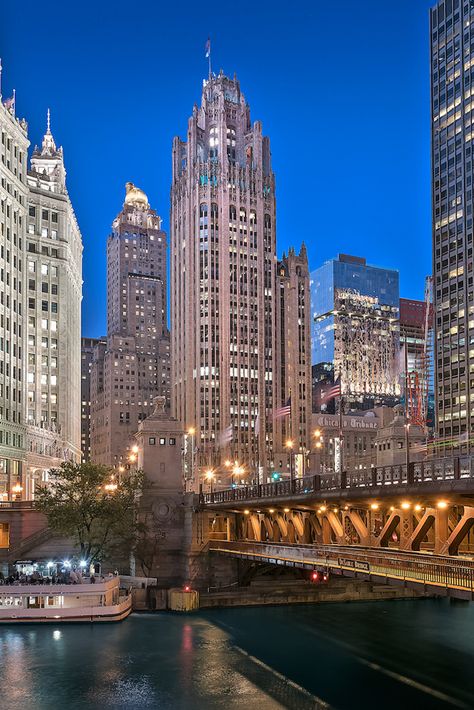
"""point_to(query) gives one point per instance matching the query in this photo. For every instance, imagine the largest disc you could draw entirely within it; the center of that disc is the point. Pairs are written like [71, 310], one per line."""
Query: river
[410, 654]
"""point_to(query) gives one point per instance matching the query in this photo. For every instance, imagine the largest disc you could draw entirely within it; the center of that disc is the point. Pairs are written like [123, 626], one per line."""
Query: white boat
[58, 603]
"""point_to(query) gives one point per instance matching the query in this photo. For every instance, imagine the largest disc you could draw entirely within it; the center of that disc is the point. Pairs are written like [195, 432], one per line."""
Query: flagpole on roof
[1, 77]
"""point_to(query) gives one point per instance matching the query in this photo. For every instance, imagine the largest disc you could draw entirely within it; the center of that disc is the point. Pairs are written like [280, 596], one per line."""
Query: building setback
[293, 358]
[88, 346]
[452, 58]
[13, 209]
[355, 330]
[133, 367]
[416, 335]
[224, 284]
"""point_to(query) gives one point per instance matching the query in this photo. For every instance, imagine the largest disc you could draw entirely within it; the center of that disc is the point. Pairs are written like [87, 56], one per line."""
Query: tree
[85, 502]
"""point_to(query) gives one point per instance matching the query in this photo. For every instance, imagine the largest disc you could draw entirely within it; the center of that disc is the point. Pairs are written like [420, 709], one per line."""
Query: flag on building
[226, 436]
[208, 47]
[284, 411]
[257, 424]
[330, 391]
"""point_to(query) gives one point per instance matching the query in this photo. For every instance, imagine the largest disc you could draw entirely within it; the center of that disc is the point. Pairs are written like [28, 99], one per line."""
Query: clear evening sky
[342, 89]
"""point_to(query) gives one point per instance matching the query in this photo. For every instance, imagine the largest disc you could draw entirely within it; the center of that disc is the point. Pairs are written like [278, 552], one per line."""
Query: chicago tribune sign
[332, 422]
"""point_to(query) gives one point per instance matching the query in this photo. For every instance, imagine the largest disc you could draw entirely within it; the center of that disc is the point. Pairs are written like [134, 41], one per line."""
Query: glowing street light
[289, 445]
[210, 478]
[442, 504]
[17, 488]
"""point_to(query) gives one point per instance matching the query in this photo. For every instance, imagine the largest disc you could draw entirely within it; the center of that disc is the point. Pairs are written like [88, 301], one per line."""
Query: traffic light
[276, 476]
[314, 576]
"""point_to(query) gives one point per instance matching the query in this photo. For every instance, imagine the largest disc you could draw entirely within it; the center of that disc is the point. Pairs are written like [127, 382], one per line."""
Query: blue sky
[342, 89]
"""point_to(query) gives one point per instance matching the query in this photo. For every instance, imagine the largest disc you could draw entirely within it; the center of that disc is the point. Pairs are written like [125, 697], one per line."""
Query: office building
[452, 92]
[133, 367]
[223, 279]
[355, 330]
[13, 319]
[88, 346]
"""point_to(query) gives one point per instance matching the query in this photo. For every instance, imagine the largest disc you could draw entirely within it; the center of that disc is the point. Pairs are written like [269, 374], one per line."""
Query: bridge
[415, 521]
[425, 573]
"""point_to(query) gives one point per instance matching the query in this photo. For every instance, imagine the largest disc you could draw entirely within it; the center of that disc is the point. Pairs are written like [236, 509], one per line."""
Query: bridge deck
[432, 574]
[448, 475]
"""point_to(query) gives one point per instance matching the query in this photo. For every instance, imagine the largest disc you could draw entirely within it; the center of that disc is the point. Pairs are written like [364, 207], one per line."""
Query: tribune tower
[223, 264]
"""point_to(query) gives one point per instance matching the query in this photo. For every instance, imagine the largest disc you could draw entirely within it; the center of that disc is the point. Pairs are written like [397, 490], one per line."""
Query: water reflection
[265, 658]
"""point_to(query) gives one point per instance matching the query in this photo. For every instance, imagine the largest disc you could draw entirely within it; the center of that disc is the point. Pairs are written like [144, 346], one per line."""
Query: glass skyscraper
[452, 104]
[355, 328]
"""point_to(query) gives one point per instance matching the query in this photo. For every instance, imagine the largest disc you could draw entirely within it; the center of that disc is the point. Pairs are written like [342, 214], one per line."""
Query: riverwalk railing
[419, 473]
[418, 568]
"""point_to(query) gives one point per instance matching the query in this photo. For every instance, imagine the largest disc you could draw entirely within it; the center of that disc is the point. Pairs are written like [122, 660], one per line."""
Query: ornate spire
[48, 144]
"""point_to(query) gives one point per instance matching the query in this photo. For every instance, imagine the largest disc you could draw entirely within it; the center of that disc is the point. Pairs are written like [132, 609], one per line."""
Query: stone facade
[224, 285]
[133, 367]
[293, 358]
[41, 291]
[54, 293]
[359, 435]
[392, 438]
[13, 210]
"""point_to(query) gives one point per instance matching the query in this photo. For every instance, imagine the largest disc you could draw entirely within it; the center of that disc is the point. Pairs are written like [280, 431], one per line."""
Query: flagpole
[341, 441]
[1, 69]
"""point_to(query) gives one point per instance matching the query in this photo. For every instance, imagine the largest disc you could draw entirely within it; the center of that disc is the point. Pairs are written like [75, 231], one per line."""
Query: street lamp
[289, 445]
[192, 433]
[318, 445]
[210, 479]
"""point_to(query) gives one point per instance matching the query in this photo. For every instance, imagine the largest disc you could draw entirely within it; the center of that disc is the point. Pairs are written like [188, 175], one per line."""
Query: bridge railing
[432, 471]
[416, 567]
[16, 504]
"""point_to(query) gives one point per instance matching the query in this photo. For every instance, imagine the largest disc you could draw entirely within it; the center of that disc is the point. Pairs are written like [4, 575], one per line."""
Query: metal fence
[423, 472]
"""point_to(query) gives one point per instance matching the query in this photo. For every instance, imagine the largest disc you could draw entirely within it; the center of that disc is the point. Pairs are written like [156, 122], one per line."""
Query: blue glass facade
[355, 310]
[335, 276]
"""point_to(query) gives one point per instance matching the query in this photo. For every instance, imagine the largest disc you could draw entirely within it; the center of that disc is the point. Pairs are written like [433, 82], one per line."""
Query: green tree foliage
[80, 503]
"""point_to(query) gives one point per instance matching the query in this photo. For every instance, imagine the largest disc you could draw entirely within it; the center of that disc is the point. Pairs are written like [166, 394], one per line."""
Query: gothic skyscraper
[223, 275]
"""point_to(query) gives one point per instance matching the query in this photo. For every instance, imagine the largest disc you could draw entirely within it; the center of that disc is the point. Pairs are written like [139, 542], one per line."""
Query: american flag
[226, 436]
[331, 391]
[284, 411]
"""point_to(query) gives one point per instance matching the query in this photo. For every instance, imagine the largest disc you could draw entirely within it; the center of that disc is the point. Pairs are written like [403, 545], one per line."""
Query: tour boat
[57, 603]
